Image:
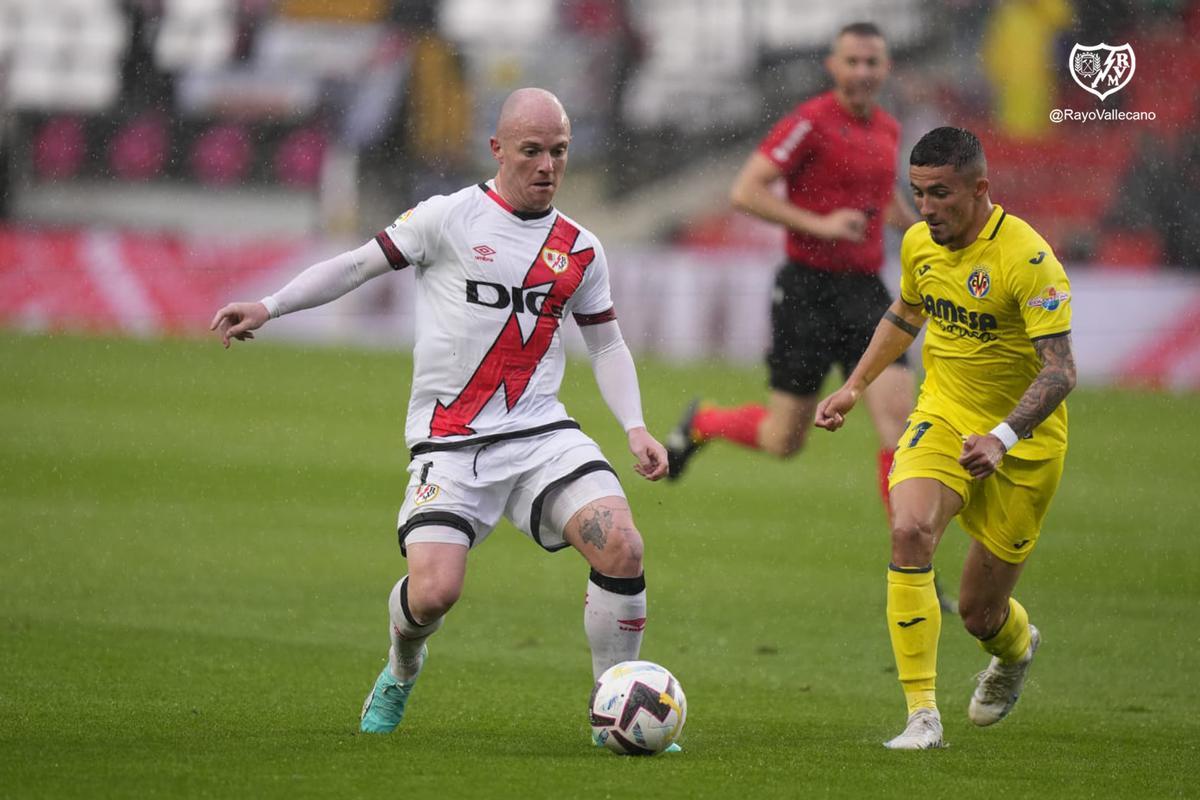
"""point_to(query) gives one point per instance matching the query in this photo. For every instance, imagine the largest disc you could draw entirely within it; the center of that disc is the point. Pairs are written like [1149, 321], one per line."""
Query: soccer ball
[637, 708]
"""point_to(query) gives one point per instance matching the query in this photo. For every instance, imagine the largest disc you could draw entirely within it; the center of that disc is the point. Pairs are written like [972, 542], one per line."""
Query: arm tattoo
[1048, 389]
[595, 530]
[907, 327]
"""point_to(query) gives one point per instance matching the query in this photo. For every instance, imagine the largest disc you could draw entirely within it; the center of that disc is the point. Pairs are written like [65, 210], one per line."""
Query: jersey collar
[522, 215]
[993, 224]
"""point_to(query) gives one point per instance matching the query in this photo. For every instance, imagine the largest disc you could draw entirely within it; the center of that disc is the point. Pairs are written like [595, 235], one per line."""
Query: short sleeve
[790, 142]
[593, 299]
[1040, 288]
[413, 237]
[909, 292]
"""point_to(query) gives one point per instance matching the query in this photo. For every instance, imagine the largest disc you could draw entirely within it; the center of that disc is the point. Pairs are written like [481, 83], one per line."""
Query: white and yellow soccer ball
[637, 708]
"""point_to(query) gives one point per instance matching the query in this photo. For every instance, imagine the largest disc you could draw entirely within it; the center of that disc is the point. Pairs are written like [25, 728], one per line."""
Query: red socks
[886, 456]
[740, 425]
[735, 424]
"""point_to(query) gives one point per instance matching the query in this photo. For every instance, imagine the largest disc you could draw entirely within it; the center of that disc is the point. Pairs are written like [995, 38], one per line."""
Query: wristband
[1006, 435]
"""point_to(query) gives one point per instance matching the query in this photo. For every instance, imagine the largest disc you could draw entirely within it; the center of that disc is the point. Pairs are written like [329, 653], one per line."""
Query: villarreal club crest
[979, 282]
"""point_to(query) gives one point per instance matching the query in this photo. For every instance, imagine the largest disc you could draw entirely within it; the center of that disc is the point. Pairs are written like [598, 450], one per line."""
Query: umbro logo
[911, 622]
[483, 252]
[923, 269]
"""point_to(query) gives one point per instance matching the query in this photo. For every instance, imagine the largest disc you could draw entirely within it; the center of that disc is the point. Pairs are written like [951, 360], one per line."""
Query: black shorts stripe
[441, 518]
[535, 513]
[432, 447]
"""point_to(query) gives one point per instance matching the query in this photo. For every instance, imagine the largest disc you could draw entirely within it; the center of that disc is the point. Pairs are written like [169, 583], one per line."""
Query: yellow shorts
[1004, 511]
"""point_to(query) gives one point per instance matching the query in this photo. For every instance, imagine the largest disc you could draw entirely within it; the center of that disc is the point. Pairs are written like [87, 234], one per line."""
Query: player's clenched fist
[832, 411]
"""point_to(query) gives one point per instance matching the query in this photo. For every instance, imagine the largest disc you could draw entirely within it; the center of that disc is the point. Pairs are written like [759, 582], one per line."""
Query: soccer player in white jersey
[497, 270]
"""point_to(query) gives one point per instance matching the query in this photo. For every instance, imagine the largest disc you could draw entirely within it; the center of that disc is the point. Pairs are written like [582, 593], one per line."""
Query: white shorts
[538, 483]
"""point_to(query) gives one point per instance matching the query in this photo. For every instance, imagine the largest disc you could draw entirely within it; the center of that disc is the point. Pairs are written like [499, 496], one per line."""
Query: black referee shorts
[819, 319]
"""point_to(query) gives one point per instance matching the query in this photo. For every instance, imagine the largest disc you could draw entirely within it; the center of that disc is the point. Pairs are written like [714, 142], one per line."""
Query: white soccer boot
[1000, 686]
[923, 732]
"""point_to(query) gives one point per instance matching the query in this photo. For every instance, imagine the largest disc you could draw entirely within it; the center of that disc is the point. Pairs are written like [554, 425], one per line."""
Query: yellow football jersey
[986, 304]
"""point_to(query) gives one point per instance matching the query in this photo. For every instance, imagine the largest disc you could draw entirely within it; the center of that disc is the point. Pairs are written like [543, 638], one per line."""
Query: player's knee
[783, 445]
[433, 599]
[622, 556]
[912, 542]
[982, 620]
[783, 448]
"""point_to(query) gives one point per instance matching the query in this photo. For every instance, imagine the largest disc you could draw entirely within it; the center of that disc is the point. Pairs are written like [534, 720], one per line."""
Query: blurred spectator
[436, 116]
[614, 49]
[142, 83]
[1018, 55]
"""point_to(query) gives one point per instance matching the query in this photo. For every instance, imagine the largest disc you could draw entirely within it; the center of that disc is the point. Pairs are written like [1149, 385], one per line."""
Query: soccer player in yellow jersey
[988, 436]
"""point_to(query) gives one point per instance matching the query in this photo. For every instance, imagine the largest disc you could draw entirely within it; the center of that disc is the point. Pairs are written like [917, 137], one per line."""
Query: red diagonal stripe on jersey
[638, 624]
[511, 360]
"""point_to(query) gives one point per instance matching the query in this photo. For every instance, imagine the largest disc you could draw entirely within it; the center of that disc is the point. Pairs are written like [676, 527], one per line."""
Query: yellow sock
[1011, 642]
[914, 622]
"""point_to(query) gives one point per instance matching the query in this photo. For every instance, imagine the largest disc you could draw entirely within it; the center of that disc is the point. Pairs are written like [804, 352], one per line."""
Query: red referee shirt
[833, 159]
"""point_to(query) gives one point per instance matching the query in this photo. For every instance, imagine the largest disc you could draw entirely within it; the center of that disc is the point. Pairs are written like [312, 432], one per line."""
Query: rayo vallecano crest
[1101, 68]
[556, 261]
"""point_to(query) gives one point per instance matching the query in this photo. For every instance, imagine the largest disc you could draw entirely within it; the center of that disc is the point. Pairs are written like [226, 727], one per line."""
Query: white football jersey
[493, 286]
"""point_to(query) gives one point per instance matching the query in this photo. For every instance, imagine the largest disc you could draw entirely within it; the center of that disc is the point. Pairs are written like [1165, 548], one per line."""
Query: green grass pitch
[198, 547]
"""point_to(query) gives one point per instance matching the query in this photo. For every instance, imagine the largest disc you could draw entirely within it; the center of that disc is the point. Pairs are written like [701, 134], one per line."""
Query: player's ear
[981, 187]
[496, 153]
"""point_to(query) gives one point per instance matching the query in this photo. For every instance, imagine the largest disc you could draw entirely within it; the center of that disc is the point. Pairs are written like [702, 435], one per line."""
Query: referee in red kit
[837, 153]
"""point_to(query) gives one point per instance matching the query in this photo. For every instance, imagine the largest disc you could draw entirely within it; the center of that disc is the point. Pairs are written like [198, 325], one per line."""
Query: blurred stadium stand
[294, 126]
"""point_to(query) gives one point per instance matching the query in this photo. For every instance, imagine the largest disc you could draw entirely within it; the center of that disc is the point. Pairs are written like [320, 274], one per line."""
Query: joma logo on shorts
[947, 311]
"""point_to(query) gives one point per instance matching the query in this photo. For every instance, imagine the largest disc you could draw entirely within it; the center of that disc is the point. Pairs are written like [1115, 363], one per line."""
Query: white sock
[408, 636]
[614, 616]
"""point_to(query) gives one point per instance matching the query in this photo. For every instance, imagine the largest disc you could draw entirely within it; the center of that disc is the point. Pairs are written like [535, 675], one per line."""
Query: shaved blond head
[530, 147]
[530, 108]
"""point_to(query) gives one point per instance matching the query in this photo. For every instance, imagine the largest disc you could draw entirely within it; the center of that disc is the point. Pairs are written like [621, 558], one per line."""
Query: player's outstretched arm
[896, 331]
[317, 285]
[981, 455]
